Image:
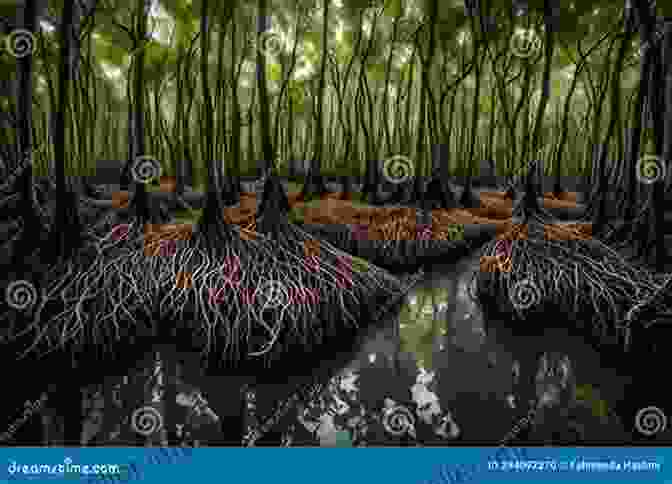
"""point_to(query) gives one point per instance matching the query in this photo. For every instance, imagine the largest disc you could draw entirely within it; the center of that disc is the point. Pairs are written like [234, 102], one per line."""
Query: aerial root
[250, 298]
[583, 276]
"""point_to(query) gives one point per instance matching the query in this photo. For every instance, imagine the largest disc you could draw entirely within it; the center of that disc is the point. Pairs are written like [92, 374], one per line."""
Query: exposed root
[586, 279]
[251, 298]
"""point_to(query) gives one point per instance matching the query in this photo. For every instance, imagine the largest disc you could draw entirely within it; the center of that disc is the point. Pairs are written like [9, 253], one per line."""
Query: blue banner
[447, 465]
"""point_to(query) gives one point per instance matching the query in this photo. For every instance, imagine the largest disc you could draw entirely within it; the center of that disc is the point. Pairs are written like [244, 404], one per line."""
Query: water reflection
[443, 331]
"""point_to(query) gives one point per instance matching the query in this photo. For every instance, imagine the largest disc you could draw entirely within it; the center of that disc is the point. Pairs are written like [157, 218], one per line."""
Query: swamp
[335, 223]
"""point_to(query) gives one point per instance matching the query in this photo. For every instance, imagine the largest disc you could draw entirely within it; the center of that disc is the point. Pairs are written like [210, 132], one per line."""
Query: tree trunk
[642, 14]
[600, 217]
[264, 114]
[314, 181]
[179, 156]
[667, 62]
[662, 132]
[468, 199]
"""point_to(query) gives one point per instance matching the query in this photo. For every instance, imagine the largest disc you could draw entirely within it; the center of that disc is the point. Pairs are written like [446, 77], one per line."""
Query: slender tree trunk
[179, 155]
[468, 199]
[63, 235]
[600, 216]
[546, 87]
[663, 90]
[667, 63]
[314, 180]
[264, 113]
[421, 147]
[642, 14]
[63, 238]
